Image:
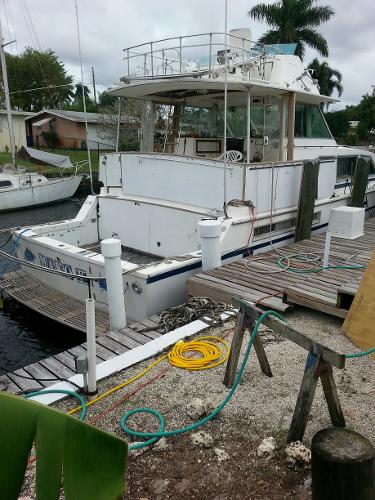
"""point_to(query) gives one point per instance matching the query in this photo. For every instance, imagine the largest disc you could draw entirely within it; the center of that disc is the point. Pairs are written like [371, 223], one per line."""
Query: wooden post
[282, 128]
[235, 349]
[342, 465]
[361, 174]
[177, 110]
[291, 124]
[261, 355]
[305, 399]
[147, 127]
[307, 196]
[331, 395]
[246, 319]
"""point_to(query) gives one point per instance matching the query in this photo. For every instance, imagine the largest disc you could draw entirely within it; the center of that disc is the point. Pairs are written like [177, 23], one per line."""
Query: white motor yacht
[246, 176]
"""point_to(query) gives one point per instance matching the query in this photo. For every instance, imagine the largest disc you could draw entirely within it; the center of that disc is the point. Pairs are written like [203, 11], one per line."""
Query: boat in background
[22, 189]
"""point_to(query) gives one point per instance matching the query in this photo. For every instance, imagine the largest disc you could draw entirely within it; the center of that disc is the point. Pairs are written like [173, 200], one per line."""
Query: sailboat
[22, 189]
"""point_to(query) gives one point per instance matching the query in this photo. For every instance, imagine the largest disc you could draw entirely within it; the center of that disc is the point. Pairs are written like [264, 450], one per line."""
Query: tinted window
[5, 184]
[310, 122]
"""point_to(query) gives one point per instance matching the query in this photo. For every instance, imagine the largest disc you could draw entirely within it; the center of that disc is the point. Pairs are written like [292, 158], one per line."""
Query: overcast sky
[108, 26]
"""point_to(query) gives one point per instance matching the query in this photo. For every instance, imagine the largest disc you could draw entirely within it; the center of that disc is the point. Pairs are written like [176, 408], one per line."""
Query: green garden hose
[82, 415]
[154, 436]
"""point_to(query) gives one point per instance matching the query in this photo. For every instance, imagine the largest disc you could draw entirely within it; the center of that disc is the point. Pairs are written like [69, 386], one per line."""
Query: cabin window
[5, 184]
[310, 123]
[346, 166]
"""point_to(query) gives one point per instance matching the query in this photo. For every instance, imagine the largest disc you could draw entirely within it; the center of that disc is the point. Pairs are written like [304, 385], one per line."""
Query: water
[26, 337]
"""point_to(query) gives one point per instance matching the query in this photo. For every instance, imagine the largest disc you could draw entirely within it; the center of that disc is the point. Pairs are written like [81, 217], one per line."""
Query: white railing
[197, 55]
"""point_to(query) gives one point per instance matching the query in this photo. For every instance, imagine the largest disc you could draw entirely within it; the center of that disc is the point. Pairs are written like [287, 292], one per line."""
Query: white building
[18, 129]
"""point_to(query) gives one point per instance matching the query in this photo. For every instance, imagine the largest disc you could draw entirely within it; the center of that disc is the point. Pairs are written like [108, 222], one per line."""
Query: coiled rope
[194, 308]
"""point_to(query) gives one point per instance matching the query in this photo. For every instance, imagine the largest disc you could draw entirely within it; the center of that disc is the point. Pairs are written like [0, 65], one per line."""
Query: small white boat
[22, 189]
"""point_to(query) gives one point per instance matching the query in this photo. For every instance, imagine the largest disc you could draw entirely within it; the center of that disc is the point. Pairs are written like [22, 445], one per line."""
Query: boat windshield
[265, 121]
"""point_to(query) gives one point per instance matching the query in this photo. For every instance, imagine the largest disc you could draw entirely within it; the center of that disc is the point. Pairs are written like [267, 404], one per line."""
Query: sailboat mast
[84, 102]
[7, 98]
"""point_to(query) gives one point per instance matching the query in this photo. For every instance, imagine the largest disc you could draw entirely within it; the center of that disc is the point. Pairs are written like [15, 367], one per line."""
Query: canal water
[26, 337]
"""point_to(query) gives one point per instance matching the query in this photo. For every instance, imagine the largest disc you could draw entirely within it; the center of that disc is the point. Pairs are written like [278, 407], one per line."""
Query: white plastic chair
[232, 156]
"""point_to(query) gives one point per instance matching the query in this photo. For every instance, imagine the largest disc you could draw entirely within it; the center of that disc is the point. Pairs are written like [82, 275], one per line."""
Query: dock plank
[281, 289]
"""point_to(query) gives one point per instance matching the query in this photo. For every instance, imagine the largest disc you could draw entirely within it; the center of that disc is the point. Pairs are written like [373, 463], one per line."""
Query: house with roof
[66, 129]
[18, 119]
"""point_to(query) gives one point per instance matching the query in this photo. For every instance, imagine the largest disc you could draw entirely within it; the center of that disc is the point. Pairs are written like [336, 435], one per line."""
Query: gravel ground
[261, 407]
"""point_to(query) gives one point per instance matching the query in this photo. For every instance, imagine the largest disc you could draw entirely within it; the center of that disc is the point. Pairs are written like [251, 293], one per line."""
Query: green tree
[77, 103]
[338, 122]
[366, 117]
[294, 21]
[34, 70]
[329, 79]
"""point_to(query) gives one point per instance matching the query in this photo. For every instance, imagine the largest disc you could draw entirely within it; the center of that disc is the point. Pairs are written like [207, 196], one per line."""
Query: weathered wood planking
[34, 294]
[71, 313]
[251, 280]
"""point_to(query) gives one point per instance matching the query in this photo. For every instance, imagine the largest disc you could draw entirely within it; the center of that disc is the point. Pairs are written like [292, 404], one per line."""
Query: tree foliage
[364, 113]
[294, 21]
[77, 102]
[32, 70]
[329, 79]
[130, 121]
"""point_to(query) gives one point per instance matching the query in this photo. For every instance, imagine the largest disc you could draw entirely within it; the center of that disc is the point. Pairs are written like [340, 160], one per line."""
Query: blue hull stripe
[234, 253]
[240, 251]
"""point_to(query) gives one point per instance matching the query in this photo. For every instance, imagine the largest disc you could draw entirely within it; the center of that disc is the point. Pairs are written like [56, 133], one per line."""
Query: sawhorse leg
[315, 368]
[245, 319]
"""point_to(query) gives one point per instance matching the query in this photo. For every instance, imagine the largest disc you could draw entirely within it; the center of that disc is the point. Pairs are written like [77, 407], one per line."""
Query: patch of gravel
[260, 407]
[267, 401]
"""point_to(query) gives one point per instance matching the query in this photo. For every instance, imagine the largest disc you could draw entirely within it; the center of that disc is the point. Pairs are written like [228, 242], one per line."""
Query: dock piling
[91, 346]
[111, 251]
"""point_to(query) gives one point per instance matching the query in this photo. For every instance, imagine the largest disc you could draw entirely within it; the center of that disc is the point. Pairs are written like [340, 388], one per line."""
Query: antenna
[225, 108]
[84, 101]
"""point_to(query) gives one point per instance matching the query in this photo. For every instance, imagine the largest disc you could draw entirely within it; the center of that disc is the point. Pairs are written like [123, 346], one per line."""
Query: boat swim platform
[109, 344]
[330, 291]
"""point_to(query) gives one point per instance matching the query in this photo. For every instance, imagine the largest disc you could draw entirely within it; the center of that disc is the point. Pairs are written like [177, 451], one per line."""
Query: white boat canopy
[204, 92]
[49, 158]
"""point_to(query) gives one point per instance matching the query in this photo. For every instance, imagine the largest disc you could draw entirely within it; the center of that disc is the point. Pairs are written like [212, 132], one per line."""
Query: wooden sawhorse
[318, 365]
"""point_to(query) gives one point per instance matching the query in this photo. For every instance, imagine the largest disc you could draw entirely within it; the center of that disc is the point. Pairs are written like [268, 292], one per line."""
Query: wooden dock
[257, 278]
[71, 313]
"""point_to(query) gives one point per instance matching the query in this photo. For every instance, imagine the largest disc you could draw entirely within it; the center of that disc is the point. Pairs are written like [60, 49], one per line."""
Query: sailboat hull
[46, 193]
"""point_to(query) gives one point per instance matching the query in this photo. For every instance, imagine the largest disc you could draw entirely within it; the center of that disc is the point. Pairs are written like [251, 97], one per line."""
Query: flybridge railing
[197, 55]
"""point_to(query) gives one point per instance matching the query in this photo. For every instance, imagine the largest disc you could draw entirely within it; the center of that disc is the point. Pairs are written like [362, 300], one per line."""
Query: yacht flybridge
[245, 175]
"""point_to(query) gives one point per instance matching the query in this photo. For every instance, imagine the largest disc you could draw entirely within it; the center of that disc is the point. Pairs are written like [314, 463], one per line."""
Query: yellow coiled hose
[213, 351]
[211, 355]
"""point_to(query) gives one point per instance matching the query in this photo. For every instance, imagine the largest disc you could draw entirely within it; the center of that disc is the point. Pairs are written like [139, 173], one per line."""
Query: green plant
[93, 462]
[50, 138]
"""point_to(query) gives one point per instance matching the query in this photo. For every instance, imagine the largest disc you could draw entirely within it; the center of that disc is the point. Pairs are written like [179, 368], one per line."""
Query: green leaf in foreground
[93, 462]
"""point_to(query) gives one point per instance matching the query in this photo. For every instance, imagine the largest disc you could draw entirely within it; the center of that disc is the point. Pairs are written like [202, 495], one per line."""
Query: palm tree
[329, 79]
[294, 21]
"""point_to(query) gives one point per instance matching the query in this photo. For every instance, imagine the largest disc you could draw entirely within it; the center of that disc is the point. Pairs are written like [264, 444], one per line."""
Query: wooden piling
[307, 196]
[361, 174]
[342, 465]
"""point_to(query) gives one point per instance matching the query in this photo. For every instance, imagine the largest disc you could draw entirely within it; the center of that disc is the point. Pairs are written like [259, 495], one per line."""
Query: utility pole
[93, 82]
[7, 98]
